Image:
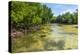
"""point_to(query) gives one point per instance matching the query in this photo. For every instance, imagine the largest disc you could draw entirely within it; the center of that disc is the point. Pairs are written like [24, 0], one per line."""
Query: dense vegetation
[24, 15]
[29, 14]
[68, 18]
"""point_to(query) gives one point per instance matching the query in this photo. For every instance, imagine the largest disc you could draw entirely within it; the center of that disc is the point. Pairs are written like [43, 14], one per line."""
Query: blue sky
[61, 8]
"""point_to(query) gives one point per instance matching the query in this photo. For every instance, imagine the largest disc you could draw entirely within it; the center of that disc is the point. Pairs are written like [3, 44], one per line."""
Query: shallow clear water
[67, 34]
[50, 37]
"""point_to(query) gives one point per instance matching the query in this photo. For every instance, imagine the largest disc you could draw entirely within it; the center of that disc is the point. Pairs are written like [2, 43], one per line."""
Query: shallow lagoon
[48, 38]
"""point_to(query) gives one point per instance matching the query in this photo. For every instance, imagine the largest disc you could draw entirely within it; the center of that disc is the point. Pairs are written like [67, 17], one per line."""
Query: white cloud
[68, 10]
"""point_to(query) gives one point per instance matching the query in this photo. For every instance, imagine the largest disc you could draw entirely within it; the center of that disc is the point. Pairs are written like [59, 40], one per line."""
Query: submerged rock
[43, 35]
[75, 26]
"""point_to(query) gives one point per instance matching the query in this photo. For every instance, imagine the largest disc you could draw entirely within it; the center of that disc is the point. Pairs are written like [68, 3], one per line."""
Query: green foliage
[53, 19]
[69, 18]
[36, 20]
[28, 14]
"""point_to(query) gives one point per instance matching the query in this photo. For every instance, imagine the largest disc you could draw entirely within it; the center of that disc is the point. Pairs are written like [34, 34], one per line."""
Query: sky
[61, 8]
